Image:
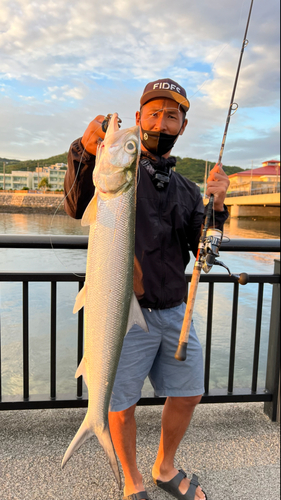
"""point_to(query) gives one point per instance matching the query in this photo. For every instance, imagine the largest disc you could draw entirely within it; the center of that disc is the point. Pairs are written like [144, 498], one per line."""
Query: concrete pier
[260, 205]
[254, 211]
[233, 448]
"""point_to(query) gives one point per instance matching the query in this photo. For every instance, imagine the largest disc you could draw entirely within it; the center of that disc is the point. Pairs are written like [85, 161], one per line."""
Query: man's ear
[183, 126]
[138, 118]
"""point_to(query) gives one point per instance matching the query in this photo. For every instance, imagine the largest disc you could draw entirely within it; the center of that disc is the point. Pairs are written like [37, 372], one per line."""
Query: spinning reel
[210, 252]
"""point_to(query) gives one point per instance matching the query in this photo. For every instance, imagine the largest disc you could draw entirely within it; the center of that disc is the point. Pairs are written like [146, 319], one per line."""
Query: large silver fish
[110, 305]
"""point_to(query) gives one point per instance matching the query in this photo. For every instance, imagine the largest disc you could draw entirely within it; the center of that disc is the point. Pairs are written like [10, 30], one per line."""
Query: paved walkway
[233, 448]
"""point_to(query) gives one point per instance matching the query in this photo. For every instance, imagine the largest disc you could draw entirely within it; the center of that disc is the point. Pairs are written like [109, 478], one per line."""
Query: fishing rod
[210, 239]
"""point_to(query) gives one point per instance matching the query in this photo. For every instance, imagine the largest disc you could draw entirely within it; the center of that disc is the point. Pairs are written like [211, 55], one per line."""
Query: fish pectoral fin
[90, 214]
[82, 370]
[80, 300]
[136, 316]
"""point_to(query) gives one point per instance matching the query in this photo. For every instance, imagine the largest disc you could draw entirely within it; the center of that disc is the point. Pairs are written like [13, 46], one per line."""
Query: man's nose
[160, 122]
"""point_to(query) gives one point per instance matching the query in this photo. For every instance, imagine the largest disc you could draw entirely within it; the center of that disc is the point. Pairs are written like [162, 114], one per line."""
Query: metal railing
[248, 191]
[269, 395]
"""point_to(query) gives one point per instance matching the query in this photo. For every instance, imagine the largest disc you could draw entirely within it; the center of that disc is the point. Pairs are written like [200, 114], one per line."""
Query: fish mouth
[113, 125]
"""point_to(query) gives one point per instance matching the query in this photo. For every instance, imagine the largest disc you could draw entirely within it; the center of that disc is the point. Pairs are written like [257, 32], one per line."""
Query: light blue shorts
[152, 354]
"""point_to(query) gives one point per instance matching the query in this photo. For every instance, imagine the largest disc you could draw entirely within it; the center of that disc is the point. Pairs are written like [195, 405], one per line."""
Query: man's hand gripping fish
[110, 305]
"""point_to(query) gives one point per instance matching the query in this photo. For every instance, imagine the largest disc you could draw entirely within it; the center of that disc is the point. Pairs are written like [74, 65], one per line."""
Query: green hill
[194, 169]
[32, 164]
[8, 161]
[191, 168]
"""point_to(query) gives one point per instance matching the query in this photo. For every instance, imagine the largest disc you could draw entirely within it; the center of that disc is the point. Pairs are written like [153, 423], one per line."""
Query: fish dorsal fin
[90, 214]
[135, 315]
[80, 300]
[82, 370]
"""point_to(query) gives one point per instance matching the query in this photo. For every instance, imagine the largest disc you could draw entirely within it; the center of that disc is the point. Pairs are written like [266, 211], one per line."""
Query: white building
[20, 179]
[16, 180]
[56, 179]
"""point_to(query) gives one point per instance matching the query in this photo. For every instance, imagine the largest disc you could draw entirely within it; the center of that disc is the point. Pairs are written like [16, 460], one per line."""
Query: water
[75, 261]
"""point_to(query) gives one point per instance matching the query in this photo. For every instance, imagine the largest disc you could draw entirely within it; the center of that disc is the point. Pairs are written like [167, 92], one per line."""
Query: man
[169, 216]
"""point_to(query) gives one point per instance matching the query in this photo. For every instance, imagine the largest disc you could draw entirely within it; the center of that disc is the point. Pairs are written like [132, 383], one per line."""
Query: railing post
[25, 341]
[233, 338]
[0, 363]
[80, 345]
[53, 368]
[272, 384]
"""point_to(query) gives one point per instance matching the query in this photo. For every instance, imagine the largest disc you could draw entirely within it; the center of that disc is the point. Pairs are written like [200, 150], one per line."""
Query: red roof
[271, 170]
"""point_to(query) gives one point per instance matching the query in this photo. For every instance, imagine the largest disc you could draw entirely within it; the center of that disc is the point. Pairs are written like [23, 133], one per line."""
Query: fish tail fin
[106, 442]
[83, 434]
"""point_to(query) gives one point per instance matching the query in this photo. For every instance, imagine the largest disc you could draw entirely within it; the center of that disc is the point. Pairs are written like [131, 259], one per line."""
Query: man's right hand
[93, 135]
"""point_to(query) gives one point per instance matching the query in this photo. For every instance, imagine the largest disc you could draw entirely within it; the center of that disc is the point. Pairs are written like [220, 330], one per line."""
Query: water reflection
[252, 228]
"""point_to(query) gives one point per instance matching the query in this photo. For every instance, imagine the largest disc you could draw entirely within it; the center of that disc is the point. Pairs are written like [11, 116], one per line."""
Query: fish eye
[130, 147]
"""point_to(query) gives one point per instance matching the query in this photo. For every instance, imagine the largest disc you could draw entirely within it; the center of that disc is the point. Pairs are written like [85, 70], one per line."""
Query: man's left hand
[217, 184]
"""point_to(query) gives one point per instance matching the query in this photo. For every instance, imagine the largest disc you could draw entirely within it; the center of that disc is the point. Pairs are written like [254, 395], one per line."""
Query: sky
[64, 62]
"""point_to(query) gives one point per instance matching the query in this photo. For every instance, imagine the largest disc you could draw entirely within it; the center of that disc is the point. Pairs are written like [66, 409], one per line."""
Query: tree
[44, 184]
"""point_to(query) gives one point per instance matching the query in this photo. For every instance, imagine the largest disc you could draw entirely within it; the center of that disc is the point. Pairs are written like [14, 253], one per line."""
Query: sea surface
[75, 261]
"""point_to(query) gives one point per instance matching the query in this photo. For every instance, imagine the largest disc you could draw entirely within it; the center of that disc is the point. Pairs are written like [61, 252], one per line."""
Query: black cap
[165, 88]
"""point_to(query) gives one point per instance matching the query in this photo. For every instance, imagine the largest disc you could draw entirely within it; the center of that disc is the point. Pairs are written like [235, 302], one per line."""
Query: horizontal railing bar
[61, 277]
[78, 242]
[41, 277]
[43, 241]
[238, 396]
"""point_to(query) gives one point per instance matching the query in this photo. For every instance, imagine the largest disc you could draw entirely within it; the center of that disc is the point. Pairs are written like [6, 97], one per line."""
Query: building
[54, 173]
[263, 179]
[56, 179]
[16, 180]
[19, 180]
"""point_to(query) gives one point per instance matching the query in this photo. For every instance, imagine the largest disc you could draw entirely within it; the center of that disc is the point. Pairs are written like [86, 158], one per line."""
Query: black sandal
[137, 496]
[172, 486]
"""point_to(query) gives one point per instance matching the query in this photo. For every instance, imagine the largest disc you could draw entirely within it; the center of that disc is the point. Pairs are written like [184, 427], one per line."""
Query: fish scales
[107, 303]
[110, 306]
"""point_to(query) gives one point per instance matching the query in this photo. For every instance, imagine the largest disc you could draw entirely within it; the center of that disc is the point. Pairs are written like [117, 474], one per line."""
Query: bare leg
[176, 417]
[123, 433]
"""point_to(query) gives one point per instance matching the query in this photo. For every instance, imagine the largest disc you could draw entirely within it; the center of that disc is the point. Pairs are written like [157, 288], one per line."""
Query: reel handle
[242, 278]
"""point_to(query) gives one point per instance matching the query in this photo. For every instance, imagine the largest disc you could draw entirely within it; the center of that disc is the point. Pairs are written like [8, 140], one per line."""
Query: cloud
[120, 39]
[76, 93]
[62, 63]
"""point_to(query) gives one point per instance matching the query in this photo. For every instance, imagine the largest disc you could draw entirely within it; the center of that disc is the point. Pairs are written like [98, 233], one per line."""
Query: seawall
[31, 203]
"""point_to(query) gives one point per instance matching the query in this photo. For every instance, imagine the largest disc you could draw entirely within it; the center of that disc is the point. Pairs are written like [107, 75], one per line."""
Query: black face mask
[158, 142]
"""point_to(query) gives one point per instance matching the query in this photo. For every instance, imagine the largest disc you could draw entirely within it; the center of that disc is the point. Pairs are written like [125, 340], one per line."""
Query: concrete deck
[234, 449]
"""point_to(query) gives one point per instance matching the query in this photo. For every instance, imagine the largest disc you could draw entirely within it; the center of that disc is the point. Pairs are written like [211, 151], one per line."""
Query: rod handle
[184, 335]
[181, 351]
